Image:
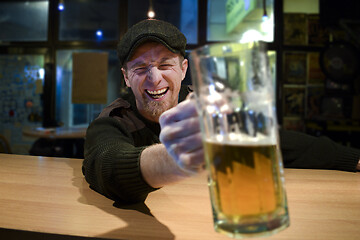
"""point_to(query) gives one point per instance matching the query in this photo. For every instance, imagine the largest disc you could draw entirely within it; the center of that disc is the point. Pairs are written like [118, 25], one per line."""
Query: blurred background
[313, 52]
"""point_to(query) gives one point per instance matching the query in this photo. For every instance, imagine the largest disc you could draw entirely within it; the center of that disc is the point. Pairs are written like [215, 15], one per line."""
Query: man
[147, 140]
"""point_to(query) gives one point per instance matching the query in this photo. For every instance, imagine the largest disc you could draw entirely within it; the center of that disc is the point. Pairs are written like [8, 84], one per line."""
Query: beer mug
[236, 106]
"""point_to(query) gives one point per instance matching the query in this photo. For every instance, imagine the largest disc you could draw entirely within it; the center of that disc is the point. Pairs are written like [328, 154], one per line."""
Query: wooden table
[60, 141]
[56, 133]
[48, 198]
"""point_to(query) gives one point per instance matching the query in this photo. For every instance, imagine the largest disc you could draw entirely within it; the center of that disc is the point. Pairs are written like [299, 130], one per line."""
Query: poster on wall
[315, 74]
[314, 100]
[89, 83]
[295, 67]
[21, 88]
[294, 101]
[295, 29]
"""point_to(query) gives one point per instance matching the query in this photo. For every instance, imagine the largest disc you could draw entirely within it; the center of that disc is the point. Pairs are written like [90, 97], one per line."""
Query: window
[240, 20]
[69, 114]
[23, 21]
[182, 13]
[91, 20]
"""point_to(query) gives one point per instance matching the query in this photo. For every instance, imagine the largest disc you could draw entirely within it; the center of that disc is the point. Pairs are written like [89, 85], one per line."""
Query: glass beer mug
[236, 105]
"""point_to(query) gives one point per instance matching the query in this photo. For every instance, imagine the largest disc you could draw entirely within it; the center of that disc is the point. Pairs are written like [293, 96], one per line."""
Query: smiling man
[148, 139]
[154, 74]
[124, 159]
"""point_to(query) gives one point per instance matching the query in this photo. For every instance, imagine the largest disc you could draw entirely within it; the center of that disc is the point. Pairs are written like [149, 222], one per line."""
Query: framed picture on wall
[295, 29]
[315, 73]
[294, 123]
[318, 35]
[313, 101]
[294, 101]
[295, 67]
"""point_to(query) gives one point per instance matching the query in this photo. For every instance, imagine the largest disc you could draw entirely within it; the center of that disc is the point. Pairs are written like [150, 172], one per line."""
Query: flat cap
[150, 30]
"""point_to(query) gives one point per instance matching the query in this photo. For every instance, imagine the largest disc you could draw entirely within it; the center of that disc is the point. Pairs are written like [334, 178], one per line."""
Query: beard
[156, 108]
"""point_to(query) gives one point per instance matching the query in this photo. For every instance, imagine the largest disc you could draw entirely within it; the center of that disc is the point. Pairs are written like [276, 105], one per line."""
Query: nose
[154, 75]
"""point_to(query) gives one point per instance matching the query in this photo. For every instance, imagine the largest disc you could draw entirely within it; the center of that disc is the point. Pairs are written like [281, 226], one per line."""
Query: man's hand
[181, 153]
[180, 133]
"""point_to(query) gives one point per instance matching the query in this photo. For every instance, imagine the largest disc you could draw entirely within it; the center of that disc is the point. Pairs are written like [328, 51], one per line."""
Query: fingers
[181, 135]
[192, 162]
[179, 130]
[187, 152]
[184, 145]
[183, 110]
[179, 122]
[191, 95]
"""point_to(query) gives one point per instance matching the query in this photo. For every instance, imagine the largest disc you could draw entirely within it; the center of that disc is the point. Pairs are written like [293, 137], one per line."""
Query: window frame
[53, 44]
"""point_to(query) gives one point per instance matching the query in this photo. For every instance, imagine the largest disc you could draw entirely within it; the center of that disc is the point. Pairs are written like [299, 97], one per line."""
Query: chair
[4, 145]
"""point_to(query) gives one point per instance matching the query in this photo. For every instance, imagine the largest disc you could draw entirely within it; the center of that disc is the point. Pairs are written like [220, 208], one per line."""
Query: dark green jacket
[115, 140]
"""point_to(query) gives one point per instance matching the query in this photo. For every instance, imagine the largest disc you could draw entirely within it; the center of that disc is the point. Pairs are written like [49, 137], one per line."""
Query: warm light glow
[41, 73]
[151, 14]
[251, 36]
[267, 28]
[264, 33]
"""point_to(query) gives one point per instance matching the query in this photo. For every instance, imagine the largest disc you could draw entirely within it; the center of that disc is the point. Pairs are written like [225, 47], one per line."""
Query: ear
[184, 67]
[125, 77]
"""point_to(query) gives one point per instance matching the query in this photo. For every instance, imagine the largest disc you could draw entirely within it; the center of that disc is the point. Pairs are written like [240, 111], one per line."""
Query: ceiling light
[151, 12]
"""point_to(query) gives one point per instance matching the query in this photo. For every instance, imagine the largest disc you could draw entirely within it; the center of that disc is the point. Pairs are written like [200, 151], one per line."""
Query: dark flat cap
[150, 30]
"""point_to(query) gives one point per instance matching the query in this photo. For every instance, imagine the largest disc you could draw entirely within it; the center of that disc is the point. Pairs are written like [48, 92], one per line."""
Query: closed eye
[165, 66]
[140, 70]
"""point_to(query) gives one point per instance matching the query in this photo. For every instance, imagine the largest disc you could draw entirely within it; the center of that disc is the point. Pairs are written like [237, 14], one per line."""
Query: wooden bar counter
[48, 198]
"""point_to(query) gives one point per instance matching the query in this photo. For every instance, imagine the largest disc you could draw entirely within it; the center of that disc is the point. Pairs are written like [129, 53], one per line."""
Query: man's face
[154, 74]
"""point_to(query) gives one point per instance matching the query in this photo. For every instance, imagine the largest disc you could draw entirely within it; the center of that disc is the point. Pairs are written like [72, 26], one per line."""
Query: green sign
[236, 11]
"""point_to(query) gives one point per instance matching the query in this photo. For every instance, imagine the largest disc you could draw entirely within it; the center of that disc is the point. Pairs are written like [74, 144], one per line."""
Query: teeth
[156, 92]
[157, 96]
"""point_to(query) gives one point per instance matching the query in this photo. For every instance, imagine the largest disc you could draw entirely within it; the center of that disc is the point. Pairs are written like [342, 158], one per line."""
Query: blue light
[247, 4]
[99, 33]
[61, 7]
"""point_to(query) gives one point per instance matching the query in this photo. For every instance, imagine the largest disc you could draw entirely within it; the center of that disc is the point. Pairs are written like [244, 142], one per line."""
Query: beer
[237, 114]
[245, 185]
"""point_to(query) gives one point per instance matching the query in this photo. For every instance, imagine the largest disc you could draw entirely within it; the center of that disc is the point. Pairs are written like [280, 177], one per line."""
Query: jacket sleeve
[111, 165]
[304, 151]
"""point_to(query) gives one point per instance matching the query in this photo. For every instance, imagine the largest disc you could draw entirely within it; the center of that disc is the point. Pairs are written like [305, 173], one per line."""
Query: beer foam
[242, 139]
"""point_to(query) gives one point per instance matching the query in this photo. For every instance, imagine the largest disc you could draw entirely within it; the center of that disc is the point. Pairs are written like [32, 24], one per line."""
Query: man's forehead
[161, 59]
